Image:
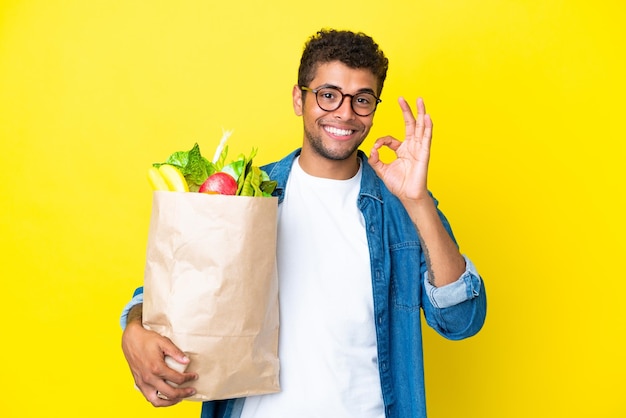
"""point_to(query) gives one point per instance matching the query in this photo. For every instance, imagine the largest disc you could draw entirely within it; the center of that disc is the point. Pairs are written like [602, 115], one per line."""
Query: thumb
[374, 160]
[175, 353]
[177, 365]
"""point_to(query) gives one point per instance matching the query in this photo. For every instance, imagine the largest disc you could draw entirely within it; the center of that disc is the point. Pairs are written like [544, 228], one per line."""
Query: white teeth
[338, 132]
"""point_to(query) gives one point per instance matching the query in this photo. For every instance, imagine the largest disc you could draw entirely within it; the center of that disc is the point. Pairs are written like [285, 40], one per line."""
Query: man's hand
[406, 175]
[145, 353]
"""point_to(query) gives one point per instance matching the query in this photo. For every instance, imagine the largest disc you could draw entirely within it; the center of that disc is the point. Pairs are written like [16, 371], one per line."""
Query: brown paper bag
[211, 287]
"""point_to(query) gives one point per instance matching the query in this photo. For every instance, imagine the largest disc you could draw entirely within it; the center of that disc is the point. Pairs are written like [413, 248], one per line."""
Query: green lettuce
[251, 180]
[192, 165]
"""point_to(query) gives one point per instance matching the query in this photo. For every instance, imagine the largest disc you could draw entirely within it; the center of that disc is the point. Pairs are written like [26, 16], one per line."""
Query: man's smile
[338, 132]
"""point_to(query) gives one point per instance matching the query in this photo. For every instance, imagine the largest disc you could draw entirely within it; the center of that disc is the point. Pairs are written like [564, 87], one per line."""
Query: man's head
[355, 50]
[342, 72]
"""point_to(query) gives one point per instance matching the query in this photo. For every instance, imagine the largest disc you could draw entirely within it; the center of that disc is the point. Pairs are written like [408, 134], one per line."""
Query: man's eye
[364, 99]
[328, 95]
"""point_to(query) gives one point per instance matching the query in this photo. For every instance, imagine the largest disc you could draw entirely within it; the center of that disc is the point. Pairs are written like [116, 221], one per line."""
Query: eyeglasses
[331, 98]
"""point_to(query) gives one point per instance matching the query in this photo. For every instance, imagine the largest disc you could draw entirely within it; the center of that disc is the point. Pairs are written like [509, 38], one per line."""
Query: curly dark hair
[356, 50]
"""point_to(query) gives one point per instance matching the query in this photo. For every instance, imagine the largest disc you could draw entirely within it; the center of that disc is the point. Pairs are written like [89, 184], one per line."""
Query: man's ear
[297, 100]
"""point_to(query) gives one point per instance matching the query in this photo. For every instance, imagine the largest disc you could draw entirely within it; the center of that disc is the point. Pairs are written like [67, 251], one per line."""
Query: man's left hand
[406, 175]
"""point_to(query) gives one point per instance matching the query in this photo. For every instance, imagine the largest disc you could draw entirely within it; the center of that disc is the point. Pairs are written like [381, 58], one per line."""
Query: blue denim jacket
[400, 291]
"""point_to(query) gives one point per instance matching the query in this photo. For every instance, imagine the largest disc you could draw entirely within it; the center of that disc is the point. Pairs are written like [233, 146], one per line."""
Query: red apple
[220, 183]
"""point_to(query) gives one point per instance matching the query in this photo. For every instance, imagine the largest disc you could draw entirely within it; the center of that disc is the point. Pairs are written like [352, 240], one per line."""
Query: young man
[362, 250]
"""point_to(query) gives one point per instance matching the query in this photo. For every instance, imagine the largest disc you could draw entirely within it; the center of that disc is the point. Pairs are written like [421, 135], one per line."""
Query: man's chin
[332, 149]
[336, 154]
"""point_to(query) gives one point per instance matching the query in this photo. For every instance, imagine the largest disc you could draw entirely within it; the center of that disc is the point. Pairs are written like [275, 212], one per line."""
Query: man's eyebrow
[367, 90]
[332, 86]
[328, 86]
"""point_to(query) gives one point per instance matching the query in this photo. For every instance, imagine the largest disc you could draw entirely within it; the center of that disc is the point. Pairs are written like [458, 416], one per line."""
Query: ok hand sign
[406, 175]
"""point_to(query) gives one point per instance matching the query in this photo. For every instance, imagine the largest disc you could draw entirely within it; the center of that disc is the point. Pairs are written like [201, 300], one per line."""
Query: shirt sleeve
[465, 288]
[136, 300]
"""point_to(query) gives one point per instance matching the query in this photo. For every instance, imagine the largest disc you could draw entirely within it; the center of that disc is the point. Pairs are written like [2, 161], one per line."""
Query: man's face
[334, 135]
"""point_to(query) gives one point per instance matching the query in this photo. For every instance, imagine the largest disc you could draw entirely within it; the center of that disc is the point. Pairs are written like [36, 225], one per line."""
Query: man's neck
[330, 169]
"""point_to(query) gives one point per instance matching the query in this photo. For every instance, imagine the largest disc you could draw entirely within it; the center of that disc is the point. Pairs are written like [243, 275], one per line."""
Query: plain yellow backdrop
[528, 161]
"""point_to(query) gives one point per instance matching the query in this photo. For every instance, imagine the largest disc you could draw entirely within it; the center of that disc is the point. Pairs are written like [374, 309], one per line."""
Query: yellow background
[528, 163]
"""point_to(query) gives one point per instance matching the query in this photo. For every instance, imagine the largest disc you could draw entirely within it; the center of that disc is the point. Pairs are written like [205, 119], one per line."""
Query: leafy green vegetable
[268, 187]
[252, 184]
[192, 165]
[251, 180]
[257, 184]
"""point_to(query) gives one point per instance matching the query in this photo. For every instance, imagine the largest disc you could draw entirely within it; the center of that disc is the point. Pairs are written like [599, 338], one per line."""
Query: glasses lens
[364, 103]
[329, 99]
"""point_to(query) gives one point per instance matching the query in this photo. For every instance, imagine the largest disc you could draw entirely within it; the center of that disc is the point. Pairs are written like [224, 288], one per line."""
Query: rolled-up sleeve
[136, 300]
[467, 287]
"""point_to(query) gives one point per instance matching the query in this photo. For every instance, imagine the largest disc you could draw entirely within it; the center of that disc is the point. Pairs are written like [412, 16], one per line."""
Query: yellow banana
[156, 180]
[174, 178]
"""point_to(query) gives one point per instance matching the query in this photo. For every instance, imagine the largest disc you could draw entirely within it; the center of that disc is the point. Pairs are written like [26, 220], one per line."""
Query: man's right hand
[145, 353]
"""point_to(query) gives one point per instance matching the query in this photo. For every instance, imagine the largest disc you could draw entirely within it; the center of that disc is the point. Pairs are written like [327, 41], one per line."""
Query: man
[362, 250]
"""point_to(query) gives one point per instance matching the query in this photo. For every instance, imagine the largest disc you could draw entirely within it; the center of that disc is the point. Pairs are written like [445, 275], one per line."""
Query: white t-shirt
[327, 346]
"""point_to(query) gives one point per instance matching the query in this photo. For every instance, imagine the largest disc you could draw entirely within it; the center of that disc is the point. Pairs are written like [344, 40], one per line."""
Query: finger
[175, 375]
[421, 107]
[409, 119]
[374, 160]
[159, 399]
[428, 127]
[177, 362]
[420, 124]
[387, 141]
[162, 396]
[154, 374]
[374, 157]
[164, 391]
[175, 378]
[171, 350]
[155, 397]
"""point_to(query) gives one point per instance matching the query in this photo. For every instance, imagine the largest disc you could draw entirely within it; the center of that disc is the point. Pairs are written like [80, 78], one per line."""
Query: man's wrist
[135, 314]
[421, 210]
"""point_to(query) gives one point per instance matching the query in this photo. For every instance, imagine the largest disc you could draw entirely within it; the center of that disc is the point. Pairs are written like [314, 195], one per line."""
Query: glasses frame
[343, 96]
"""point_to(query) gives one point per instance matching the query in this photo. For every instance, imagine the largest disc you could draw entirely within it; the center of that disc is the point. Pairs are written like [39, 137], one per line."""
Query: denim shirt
[401, 291]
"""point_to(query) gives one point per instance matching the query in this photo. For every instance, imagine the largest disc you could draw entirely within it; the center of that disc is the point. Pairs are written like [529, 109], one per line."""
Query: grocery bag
[211, 286]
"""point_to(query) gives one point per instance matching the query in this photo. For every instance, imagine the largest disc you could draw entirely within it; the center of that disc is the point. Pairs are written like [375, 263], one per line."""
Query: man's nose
[344, 111]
